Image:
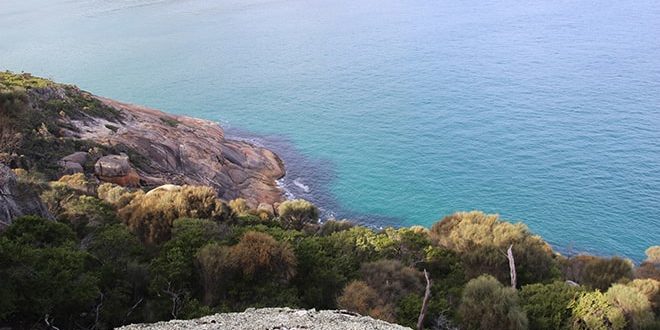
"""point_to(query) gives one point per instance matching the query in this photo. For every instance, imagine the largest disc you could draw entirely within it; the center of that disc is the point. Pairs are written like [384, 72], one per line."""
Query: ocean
[395, 112]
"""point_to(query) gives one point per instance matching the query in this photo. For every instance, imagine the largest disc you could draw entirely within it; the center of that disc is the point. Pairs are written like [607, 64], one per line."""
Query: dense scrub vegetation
[116, 256]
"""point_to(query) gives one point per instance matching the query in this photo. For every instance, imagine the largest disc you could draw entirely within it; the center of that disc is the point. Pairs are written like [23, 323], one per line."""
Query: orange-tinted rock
[118, 170]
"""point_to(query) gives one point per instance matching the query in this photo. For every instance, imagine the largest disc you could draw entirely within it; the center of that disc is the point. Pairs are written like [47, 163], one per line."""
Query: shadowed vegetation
[115, 255]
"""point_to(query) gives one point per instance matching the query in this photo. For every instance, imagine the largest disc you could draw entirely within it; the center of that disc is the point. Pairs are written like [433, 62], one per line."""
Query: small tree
[296, 213]
[487, 304]
[649, 288]
[173, 272]
[259, 254]
[595, 272]
[392, 280]
[215, 267]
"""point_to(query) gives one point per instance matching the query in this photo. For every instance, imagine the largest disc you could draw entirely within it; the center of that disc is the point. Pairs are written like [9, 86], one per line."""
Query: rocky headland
[59, 129]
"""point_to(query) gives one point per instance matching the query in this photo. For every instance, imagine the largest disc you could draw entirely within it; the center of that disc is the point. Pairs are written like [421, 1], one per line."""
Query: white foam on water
[301, 185]
[285, 188]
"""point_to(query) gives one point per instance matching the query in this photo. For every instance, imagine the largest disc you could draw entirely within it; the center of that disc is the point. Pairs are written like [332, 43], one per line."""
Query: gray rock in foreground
[274, 318]
[16, 201]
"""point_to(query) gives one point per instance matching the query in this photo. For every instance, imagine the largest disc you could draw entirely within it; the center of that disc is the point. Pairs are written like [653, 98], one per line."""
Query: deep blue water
[397, 112]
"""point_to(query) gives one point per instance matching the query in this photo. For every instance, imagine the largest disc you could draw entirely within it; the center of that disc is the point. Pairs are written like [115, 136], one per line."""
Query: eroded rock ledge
[274, 318]
[184, 150]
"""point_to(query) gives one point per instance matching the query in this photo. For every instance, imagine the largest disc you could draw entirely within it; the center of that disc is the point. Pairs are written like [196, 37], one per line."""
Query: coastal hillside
[59, 129]
[114, 214]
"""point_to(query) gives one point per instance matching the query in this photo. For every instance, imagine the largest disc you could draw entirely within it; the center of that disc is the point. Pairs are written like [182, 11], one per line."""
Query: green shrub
[595, 272]
[593, 311]
[322, 272]
[170, 121]
[635, 306]
[116, 195]
[87, 213]
[547, 305]
[487, 304]
[296, 213]
[392, 279]
[239, 207]
[150, 216]
[650, 288]
[332, 226]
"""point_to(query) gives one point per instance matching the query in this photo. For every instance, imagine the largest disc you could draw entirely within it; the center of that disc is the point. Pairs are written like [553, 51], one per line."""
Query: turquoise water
[397, 112]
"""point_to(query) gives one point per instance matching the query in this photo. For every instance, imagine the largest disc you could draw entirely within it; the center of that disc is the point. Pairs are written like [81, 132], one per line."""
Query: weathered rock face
[275, 318]
[16, 201]
[182, 150]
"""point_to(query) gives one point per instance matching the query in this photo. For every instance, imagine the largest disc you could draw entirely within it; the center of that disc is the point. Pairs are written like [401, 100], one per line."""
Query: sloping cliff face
[274, 318]
[16, 201]
[59, 129]
[184, 150]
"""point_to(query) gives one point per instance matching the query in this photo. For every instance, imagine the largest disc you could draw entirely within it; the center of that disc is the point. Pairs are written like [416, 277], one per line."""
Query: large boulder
[117, 169]
[73, 163]
[79, 157]
[17, 199]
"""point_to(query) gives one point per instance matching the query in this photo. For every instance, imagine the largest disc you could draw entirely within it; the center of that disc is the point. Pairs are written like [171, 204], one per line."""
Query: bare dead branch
[48, 320]
[130, 310]
[512, 266]
[425, 302]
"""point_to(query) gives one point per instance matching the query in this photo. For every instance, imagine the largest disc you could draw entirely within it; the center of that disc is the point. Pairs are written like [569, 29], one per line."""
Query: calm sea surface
[396, 112]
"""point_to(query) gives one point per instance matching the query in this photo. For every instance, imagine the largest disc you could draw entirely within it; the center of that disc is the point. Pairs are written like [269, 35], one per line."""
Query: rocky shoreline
[58, 129]
[183, 150]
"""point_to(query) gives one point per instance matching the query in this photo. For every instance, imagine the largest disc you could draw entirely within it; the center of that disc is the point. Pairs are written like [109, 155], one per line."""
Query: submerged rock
[275, 318]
